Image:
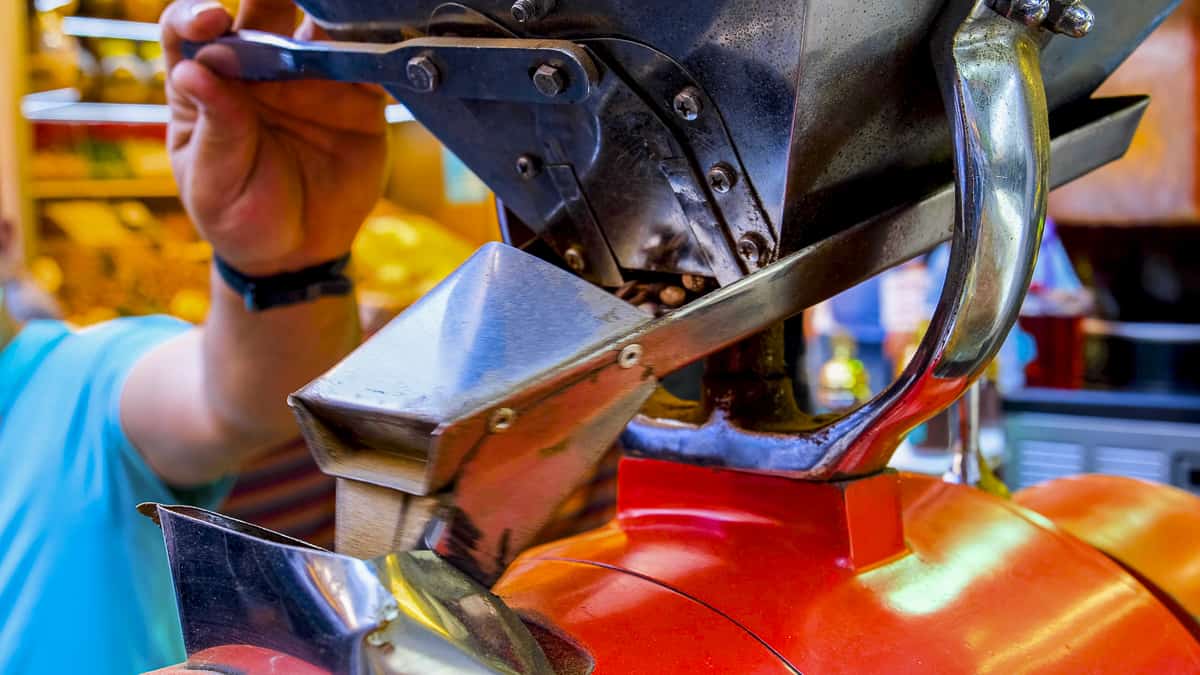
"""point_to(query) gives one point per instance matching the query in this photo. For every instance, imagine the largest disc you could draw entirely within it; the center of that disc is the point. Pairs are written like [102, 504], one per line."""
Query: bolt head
[1073, 19]
[1029, 12]
[422, 73]
[524, 10]
[751, 250]
[721, 178]
[688, 104]
[575, 259]
[695, 283]
[528, 166]
[502, 420]
[630, 356]
[549, 80]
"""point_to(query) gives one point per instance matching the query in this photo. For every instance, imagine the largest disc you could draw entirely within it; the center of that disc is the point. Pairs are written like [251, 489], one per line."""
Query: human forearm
[200, 404]
[253, 360]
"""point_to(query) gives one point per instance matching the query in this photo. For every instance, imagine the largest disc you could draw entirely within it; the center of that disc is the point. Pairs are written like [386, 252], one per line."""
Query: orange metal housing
[706, 570]
[1151, 529]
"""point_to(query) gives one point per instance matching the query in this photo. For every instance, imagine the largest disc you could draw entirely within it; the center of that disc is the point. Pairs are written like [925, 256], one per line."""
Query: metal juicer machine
[765, 155]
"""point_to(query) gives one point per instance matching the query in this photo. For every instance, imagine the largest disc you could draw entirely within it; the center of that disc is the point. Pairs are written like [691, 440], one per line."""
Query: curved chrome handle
[991, 84]
[992, 87]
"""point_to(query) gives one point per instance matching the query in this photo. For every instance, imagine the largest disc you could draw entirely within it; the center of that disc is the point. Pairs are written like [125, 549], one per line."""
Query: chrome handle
[987, 66]
[992, 88]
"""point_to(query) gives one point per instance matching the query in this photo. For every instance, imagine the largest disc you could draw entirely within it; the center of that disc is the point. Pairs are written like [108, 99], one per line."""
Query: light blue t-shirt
[84, 583]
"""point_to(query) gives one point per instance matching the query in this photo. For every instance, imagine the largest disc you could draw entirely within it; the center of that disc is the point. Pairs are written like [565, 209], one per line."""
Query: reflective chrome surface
[469, 387]
[404, 613]
[988, 68]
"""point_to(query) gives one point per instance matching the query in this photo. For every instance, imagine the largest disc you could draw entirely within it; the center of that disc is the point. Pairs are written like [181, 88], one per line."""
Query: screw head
[502, 420]
[549, 80]
[688, 104]
[721, 178]
[629, 356]
[525, 11]
[575, 259]
[751, 250]
[695, 283]
[1029, 12]
[1073, 18]
[422, 73]
[528, 166]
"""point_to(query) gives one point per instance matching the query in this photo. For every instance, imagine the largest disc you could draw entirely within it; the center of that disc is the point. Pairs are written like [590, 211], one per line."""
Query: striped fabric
[283, 490]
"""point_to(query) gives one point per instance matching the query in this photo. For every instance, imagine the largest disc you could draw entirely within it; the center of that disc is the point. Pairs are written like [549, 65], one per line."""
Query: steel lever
[491, 69]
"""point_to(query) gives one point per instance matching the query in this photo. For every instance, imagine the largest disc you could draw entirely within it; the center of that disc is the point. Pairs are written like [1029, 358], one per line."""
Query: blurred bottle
[843, 381]
[1053, 313]
[126, 77]
[54, 57]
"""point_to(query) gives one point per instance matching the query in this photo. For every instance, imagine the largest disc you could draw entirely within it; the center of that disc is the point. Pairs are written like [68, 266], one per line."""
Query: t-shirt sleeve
[119, 346]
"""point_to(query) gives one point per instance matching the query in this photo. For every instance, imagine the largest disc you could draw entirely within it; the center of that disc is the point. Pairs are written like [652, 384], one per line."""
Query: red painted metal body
[1150, 528]
[706, 570]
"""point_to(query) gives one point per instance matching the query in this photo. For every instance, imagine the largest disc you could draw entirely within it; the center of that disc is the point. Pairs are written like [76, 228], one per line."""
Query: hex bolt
[1070, 17]
[721, 178]
[549, 80]
[502, 420]
[1029, 12]
[528, 166]
[422, 74]
[629, 356]
[672, 296]
[688, 103]
[750, 247]
[695, 283]
[575, 259]
[525, 11]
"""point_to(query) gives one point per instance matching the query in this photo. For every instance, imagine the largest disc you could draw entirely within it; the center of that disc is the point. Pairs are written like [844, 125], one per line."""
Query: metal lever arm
[494, 69]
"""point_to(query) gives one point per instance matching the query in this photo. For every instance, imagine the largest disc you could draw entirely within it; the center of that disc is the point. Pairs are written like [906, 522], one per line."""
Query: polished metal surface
[468, 387]
[991, 84]
[407, 613]
[478, 69]
[966, 452]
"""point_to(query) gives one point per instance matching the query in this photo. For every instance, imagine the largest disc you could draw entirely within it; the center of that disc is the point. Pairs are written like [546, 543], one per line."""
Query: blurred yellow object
[844, 381]
[147, 11]
[60, 165]
[190, 304]
[146, 159]
[399, 256]
[92, 224]
[47, 273]
[93, 315]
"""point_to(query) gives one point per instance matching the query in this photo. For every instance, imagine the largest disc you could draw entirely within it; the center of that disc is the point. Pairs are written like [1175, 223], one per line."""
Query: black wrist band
[288, 288]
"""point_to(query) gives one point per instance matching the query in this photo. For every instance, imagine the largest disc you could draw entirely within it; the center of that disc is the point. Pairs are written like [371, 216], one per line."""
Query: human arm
[277, 176]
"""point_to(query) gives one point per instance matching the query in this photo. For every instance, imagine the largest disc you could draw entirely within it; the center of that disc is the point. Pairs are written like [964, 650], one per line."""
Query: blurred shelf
[89, 27]
[58, 106]
[93, 113]
[101, 188]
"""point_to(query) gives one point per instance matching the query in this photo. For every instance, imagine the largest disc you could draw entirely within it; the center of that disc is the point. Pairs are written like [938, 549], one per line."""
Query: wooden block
[373, 521]
[1158, 181]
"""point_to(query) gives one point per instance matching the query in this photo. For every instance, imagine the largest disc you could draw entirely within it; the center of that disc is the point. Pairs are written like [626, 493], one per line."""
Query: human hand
[277, 176]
